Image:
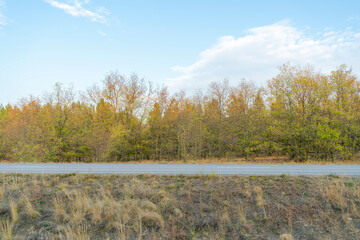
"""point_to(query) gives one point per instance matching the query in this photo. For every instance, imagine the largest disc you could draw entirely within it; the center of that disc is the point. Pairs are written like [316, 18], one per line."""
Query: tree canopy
[301, 113]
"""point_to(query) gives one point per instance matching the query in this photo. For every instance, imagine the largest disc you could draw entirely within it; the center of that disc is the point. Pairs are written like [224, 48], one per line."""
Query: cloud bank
[76, 8]
[257, 55]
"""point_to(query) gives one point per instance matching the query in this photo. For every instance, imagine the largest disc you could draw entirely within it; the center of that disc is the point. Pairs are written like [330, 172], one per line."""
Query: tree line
[301, 113]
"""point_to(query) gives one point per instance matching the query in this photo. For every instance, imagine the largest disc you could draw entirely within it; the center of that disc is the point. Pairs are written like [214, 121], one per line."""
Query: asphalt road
[187, 169]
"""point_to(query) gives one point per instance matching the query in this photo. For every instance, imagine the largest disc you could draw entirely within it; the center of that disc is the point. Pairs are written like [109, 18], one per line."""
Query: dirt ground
[178, 207]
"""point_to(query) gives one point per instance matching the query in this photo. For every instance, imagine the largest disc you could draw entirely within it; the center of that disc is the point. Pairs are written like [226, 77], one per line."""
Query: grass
[252, 160]
[76, 232]
[13, 210]
[1, 192]
[260, 199]
[6, 230]
[29, 208]
[194, 207]
[286, 236]
[59, 208]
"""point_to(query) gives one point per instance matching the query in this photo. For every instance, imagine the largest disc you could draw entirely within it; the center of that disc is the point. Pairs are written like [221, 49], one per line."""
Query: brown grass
[96, 210]
[76, 232]
[179, 207]
[2, 192]
[152, 219]
[241, 215]
[14, 210]
[6, 230]
[286, 236]
[29, 208]
[59, 208]
[79, 206]
[260, 199]
[252, 160]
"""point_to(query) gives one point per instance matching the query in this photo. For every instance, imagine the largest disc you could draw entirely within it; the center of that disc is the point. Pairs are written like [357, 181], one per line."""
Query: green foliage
[284, 177]
[333, 175]
[349, 184]
[302, 114]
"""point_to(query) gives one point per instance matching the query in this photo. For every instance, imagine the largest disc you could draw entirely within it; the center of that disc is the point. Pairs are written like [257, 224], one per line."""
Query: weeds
[333, 176]
[284, 177]
[349, 184]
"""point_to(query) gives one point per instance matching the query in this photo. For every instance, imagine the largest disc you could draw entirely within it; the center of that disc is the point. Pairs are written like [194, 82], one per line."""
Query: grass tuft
[14, 211]
[286, 236]
[29, 209]
[77, 232]
[6, 230]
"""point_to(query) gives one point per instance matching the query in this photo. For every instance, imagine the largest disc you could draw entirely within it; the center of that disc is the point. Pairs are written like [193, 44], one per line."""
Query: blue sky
[183, 44]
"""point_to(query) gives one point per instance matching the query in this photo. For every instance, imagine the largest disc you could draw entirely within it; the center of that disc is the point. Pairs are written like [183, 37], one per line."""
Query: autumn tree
[216, 114]
[301, 113]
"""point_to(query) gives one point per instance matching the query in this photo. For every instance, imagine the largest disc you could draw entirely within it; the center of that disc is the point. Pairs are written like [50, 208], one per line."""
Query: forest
[300, 113]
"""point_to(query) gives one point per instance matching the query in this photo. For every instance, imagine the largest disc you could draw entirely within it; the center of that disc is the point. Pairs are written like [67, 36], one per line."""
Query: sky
[182, 44]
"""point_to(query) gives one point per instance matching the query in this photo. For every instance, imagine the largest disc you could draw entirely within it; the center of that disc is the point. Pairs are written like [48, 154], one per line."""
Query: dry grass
[152, 219]
[79, 207]
[29, 208]
[251, 160]
[260, 199]
[96, 210]
[335, 193]
[241, 215]
[224, 220]
[77, 232]
[59, 208]
[6, 230]
[286, 236]
[340, 193]
[2, 192]
[179, 207]
[14, 210]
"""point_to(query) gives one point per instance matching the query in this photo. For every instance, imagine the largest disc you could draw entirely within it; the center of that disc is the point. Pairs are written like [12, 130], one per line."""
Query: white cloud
[2, 20]
[2, 17]
[100, 32]
[76, 9]
[257, 55]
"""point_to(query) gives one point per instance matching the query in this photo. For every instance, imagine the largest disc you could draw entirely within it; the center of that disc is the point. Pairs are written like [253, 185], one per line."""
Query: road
[187, 169]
